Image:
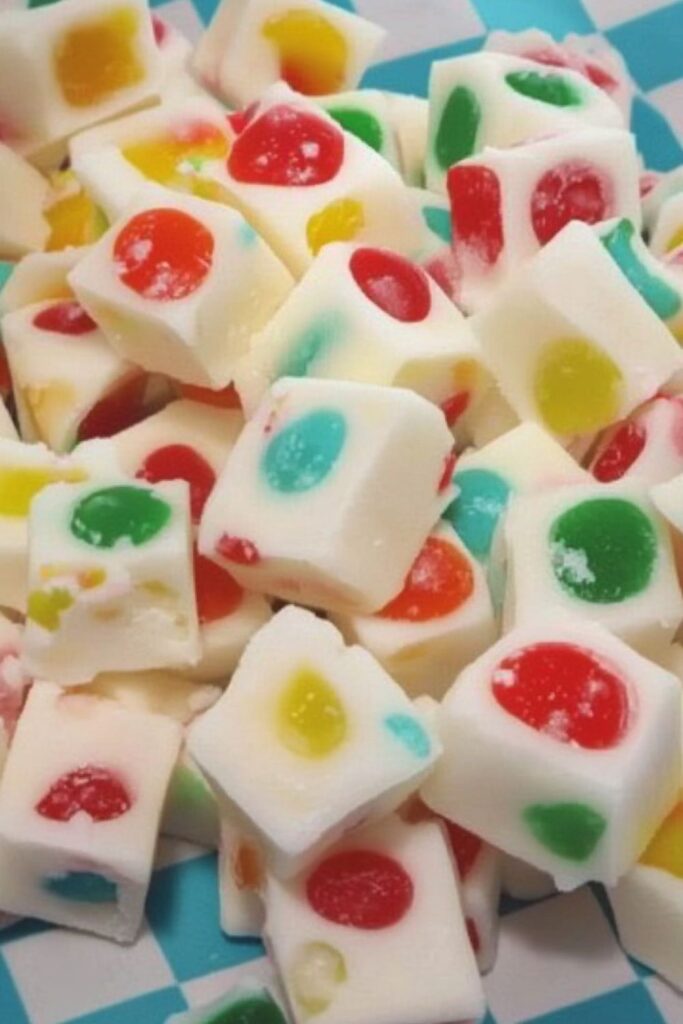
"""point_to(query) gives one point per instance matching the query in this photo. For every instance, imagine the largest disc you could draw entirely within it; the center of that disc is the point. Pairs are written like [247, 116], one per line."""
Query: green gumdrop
[313, 344]
[104, 518]
[361, 123]
[552, 88]
[304, 452]
[456, 136]
[438, 220]
[660, 297]
[570, 830]
[252, 1010]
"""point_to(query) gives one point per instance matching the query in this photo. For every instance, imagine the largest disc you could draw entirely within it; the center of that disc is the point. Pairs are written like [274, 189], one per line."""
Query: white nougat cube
[111, 561]
[23, 227]
[561, 747]
[507, 203]
[596, 551]
[66, 66]
[440, 620]
[330, 738]
[40, 276]
[80, 802]
[62, 368]
[332, 455]
[366, 314]
[180, 285]
[398, 954]
[316, 48]
[494, 99]
[367, 114]
[647, 446]
[587, 347]
[303, 182]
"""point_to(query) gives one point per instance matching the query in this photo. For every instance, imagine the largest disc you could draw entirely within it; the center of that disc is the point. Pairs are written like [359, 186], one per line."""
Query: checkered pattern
[559, 961]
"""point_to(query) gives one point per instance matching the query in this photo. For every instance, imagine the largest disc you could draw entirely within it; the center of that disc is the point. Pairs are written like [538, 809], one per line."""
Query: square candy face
[329, 736]
[351, 935]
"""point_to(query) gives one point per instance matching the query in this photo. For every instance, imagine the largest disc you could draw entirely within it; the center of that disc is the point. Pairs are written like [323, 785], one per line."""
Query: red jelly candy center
[573, 190]
[474, 193]
[285, 146]
[180, 462]
[218, 594]
[92, 789]
[566, 692]
[163, 254]
[360, 889]
[64, 318]
[397, 286]
[224, 398]
[239, 550]
[620, 453]
[439, 582]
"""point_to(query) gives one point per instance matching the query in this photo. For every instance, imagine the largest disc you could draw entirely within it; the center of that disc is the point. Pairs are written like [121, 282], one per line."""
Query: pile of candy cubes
[341, 495]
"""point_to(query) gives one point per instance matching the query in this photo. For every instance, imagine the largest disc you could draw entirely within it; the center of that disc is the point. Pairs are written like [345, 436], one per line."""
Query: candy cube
[368, 315]
[330, 454]
[180, 285]
[247, 1001]
[190, 811]
[338, 741]
[23, 227]
[440, 621]
[303, 182]
[493, 99]
[65, 375]
[80, 802]
[383, 904]
[648, 902]
[507, 203]
[110, 561]
[167, 144]
[410, 117]
[648, 445]
[241, 878]
[38, 277]
[66, 66]
[598, 551]
[587, 346]
[313, 46]
[562, 747]
[367, 114]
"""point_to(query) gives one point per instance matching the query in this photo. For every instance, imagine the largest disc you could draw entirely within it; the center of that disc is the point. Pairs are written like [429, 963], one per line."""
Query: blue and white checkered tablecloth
[559, 961]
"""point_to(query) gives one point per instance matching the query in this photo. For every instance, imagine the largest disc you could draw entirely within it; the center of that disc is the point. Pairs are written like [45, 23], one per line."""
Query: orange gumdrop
[439, 582]
[99, 57]
[313, 52]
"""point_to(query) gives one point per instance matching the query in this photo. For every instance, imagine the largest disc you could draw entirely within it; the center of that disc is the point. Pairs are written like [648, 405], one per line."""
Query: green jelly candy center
[254, 1010]
[569, 830]
[660, 296]
[114, 514]
[303, 453]
[312, 345]
[554, 89]
[456, 136]
[361, 123]
[603, 550]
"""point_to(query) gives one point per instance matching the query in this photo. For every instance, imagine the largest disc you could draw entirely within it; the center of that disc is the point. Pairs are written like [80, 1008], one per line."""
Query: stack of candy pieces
[341, 495]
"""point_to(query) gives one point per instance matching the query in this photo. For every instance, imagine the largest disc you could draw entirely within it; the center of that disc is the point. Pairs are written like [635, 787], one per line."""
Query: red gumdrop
[573, 190]
[218, 594]
[92, 789]
[455, 406]
[566, 692]
[394, 284]
[360, 889]
[163, 254]
[224, 398]
[64, 318]
[123, 407]
[238, 550]
[474, 192]
[286, 146]
[181, 462]
[465, 845]
[624, 447]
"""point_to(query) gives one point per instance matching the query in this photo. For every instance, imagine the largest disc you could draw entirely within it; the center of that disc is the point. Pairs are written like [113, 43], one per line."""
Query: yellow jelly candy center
[577, 387]
[18, 486]
[311, 718]
[666, 849]
[675, 240]
[339, 221]
[313, 52]
[161, 158]
[74, 220]
[317, 970]
[45, 607]
[98, 58]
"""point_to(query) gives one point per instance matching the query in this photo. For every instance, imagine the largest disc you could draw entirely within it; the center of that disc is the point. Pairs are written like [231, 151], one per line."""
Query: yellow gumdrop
[666, 849]
[74, 220]
[317, 970]
[577, 387]
[311, 718]
[18, 486]
[313, 52]
[45, 607]
[675, 240]
[98, 58]
[339, 221]
[160, 158]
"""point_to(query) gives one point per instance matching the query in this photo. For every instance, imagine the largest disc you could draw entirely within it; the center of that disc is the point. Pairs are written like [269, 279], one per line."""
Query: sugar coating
[356, 754]
[43, 857]
[551, 805]
[23, 228]
[330, 454]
